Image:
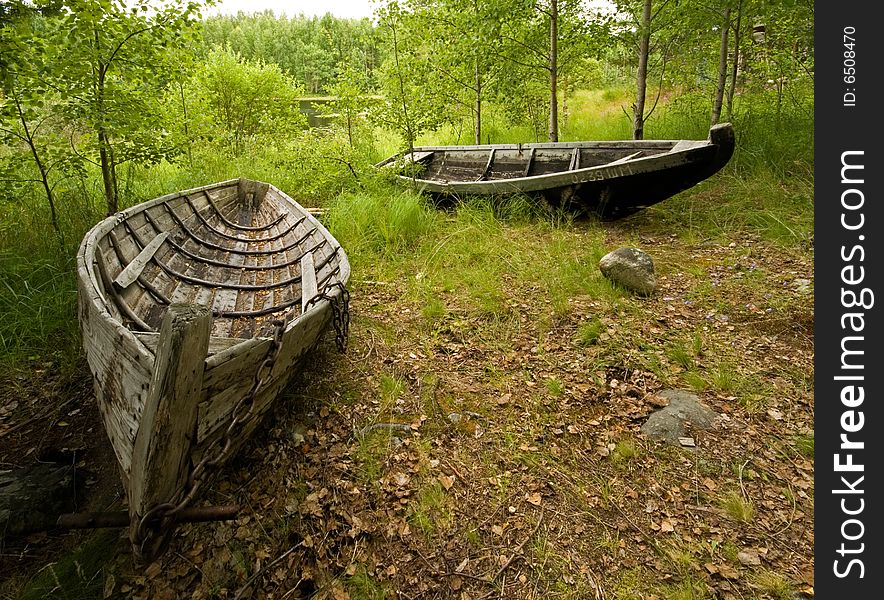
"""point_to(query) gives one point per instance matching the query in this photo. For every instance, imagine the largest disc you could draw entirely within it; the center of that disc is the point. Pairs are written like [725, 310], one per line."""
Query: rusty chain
[160, 517]
[340, 306]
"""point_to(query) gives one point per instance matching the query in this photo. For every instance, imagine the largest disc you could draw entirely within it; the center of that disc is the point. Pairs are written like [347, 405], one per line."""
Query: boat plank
[309, 288]
[131, 272]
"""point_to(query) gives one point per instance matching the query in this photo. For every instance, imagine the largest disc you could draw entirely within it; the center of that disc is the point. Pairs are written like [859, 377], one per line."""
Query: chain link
[340, 306]
[160, 517]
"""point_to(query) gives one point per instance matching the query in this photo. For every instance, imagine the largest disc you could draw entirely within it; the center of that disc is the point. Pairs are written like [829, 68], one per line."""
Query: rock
[802, 286]
[669, 424]
[630, 267]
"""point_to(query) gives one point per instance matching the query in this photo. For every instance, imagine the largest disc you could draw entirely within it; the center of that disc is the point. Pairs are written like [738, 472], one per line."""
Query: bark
[105, 151]
[108, 176]
[736, 64]
[722, 67]
[638, 109]
[553, 71]
[44, 172]
[478, 107]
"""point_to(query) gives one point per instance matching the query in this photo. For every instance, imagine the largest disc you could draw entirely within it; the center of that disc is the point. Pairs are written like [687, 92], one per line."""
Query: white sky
[352, 9]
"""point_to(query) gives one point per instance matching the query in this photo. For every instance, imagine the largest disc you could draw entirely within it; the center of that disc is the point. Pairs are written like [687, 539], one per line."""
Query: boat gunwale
[567, 177]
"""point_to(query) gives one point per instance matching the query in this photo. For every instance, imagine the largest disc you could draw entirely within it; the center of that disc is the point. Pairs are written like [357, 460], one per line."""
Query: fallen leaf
[447, 481]
[534, 498]
[728, 572]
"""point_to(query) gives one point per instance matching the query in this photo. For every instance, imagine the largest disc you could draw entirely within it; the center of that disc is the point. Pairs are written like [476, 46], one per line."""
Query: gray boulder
[630, 267]
[669, 424]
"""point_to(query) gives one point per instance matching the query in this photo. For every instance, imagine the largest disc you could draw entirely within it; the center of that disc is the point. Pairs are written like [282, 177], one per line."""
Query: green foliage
[317, 52]
[112, 63]
[371, 223]
[248, 100]
[350, 106]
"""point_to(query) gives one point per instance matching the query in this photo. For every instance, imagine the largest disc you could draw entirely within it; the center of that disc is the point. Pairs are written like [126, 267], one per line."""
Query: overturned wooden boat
[612, 179]
[195, 310]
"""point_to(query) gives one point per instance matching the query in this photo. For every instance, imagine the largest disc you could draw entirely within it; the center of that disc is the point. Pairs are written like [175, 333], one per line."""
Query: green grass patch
[588, 332]
[625, 451]
[362, 586]
[804, 445]
[738, 507]
[38, 310]
[430, 510]
[78, 575]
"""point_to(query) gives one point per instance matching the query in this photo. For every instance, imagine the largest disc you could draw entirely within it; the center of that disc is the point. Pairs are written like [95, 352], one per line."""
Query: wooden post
[167, 430]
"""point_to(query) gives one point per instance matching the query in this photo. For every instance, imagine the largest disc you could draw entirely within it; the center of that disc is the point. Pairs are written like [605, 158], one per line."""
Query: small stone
[749, 558]
[685, 409]
[632, 268]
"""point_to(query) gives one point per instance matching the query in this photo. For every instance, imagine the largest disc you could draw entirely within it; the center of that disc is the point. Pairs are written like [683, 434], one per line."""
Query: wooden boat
[195, 309]
[612, 179]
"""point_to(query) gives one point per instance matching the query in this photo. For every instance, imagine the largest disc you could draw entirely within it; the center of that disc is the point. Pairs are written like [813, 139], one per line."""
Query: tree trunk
[478, 108]
[638, 109]
[44, 172]
[722, 67]
[108, 176]
[553, 71]
[105, 152]
[736, 65]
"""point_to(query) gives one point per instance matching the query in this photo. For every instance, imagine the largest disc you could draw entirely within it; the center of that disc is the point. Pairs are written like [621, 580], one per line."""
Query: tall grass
[37, 282]
[474, 249]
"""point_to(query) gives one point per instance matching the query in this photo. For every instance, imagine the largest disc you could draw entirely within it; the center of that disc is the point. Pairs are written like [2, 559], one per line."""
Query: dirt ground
[494, 457]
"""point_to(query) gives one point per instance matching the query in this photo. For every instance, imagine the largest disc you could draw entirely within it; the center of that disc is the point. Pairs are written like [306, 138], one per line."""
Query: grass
[804, 445]
[430, 511]
[773, 585]
[588, 332]
[625, 451]
[738, 507]
[362, 586]
[37, 299]
[78, 575]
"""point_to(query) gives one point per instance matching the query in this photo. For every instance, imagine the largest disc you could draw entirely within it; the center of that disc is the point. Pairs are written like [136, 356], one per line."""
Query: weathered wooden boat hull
[243, 250]
[610, 179]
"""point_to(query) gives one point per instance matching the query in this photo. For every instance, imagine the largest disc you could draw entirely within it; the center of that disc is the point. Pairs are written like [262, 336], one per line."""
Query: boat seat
[624, 159]
[131, 272]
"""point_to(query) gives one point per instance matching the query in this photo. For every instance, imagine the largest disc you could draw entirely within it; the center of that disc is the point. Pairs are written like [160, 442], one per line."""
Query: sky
[353, 9]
